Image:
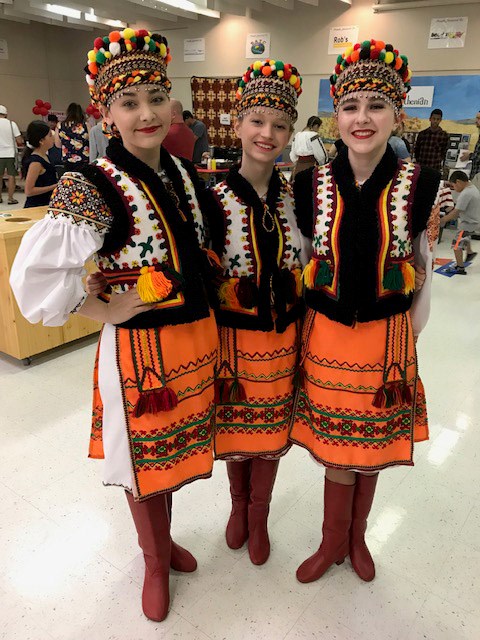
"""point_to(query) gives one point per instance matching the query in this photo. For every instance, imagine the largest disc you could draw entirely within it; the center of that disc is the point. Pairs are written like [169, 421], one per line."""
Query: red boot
[180, 559]
[153, 528]
[262, 479]
[237, 526]
[362, 561]
[338, 499]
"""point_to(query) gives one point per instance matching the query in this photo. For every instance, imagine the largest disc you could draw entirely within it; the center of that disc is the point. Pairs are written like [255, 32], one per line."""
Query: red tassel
[392, 394]
[247, 292]
[167, 399]
[154, 401]
[379, 399]
[222, 390]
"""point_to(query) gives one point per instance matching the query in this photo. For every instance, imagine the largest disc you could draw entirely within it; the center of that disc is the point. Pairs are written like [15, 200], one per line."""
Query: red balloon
[47, 105]
[90, 109]
[36, 111]
[97, 115]
[43, 111]
[39, 103]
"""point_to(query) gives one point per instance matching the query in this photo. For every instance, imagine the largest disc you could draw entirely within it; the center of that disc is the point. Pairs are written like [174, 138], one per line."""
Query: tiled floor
[70, 568]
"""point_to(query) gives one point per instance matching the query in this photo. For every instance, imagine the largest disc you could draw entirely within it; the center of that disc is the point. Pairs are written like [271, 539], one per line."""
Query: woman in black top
[41, 177]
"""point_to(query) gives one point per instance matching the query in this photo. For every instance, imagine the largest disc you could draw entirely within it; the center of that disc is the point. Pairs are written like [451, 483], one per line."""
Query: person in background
[262, 254]
[474, 156]
[97, 141]
[54, 153]
[307, 147]
[39, 172]
[137, 212]
[72, 137]
[467, 210]
[398, 144]
[180, 139]
[399, 131]
[335, 148]
[432, 143]
[361, 405]
[9, 138]
[201, 136]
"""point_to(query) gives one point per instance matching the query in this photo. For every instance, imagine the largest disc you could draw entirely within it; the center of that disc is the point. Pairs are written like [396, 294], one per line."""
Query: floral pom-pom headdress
[270, 84]
[126, 59]
[374, 67]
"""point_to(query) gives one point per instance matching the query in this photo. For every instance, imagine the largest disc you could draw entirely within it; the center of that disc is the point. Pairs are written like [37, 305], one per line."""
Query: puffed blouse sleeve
[47, 272]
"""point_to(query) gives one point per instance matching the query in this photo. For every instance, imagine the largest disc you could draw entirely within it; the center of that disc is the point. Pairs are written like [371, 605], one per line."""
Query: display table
[19, 338]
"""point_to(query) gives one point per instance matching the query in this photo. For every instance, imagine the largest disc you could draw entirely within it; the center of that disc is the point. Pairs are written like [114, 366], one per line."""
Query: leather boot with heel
[360, 556]
[338, 500]
[236, 533]
[180, 559]
[153, 528]
[262, 479]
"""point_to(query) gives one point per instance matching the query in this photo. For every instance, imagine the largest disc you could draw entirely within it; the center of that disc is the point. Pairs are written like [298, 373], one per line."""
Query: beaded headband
[126, 59]
[374, 67]
[270, 84]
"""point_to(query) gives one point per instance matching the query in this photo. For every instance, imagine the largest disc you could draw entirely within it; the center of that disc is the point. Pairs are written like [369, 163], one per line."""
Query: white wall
[47, 62]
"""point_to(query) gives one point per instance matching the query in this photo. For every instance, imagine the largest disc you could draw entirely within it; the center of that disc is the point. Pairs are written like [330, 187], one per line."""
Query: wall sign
[447, 33]
[194, 50]
[342, 37]
[3, 50]
[257, 45]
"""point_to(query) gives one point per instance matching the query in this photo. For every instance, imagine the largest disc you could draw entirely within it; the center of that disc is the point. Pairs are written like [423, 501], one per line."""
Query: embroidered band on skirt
[254, 392]
[361, 405]
[167, 384]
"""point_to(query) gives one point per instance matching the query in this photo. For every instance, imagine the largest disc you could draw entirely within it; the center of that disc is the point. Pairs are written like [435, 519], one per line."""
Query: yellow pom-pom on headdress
[270, 84]
[371, 66]
[122, 55]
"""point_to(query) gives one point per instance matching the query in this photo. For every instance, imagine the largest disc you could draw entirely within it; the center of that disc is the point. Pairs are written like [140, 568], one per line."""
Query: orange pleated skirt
[260, 367]
[171, 437]
[343, 368]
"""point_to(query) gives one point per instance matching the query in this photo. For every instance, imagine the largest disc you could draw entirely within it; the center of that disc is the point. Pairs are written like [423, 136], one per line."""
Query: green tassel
[393, 279]
[324, 275]
[237, 392]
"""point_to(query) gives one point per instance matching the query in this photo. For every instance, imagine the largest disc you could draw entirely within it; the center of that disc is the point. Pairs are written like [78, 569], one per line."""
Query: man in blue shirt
[200, 133]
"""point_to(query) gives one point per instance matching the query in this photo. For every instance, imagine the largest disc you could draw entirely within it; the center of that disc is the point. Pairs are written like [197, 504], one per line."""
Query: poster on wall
[257, 45]
[457, 96]
[342, 37]
[447, 33]
[3, 50]
[194, 50]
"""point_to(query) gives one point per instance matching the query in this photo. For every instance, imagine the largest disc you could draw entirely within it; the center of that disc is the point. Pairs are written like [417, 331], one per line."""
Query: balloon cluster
[93, 111]
[41, 108]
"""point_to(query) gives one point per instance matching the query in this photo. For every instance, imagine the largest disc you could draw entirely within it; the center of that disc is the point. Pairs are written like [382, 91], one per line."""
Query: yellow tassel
[152, 285]
[298, 281]
[309, 273]
[227, 295]
[408, 272]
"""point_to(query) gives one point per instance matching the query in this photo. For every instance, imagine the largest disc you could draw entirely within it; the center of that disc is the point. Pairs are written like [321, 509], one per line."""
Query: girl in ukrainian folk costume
[262, 254]
[372, 219]
[136, 212]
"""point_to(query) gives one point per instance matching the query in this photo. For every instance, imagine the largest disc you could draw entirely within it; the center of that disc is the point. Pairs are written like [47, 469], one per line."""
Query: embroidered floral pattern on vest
[151, 246]
[241, 260]
[395, 271]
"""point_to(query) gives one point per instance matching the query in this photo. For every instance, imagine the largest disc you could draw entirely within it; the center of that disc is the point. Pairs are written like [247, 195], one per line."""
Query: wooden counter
[19, 338]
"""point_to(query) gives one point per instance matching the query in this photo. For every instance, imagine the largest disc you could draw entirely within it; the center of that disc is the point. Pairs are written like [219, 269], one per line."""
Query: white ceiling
[157, 14]
[152, 14]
